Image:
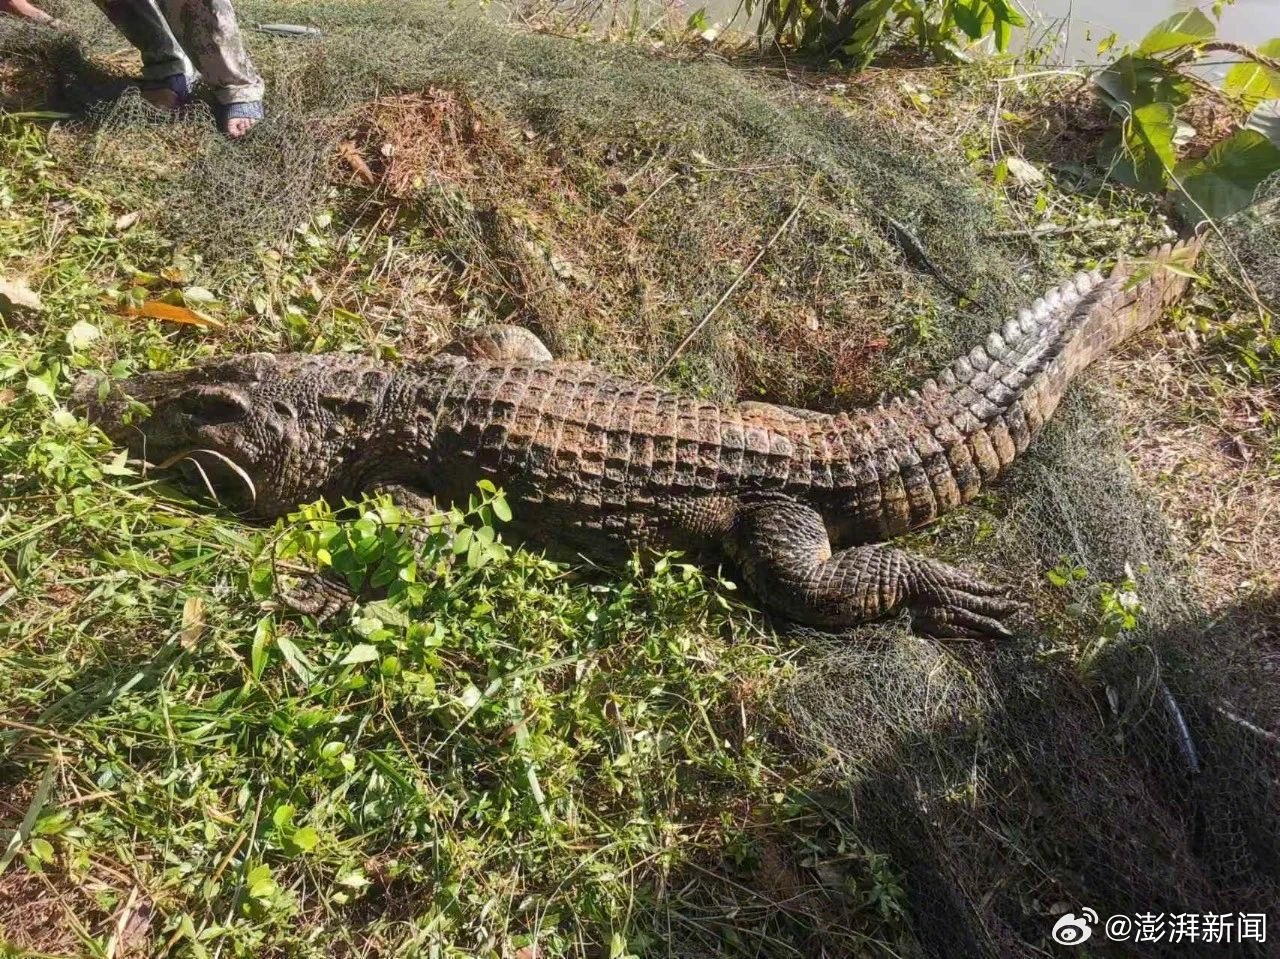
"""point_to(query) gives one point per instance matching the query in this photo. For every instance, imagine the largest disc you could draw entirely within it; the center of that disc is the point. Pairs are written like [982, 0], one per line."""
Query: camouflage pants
[173, 35]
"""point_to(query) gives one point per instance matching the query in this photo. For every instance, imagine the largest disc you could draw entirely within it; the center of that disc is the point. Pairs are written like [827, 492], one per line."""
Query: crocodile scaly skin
[599, 465]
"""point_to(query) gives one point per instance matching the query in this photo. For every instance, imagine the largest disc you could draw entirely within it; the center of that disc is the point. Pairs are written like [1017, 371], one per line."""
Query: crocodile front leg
[321, 595]
[785, 555]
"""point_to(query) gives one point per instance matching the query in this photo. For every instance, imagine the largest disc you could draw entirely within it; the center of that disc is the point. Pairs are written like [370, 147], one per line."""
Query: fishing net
[1122, 780]
[1254, 234]
[611, 200]
[604, 197]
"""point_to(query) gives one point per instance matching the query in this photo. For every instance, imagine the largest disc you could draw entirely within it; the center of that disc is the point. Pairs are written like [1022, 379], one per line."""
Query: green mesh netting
[674, 176]
[608, 198]
[1254, 234]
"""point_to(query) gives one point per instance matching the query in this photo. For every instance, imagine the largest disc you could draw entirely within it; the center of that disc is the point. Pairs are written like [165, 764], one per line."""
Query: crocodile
[801, 503]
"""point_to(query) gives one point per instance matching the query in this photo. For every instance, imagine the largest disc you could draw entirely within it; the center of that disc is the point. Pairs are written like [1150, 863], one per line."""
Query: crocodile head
[261, 433]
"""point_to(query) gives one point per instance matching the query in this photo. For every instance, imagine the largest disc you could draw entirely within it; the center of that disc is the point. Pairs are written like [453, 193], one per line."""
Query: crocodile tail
[1134, 297]
[1018, 376]
[964, 428]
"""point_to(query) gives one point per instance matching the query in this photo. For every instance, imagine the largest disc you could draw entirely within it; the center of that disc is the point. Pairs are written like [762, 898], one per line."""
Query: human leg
[164, 66]
[208, 32]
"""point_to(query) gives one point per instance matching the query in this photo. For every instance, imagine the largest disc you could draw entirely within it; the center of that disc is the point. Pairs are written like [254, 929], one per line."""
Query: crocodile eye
[283, 409]
[346, 407]
[213, 407]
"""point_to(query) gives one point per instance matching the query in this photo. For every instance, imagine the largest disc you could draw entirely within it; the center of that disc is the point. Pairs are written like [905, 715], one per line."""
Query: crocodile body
[595, 464]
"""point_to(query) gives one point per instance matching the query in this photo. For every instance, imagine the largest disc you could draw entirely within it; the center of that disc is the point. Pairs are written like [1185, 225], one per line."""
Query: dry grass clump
[598, 254]
[1208, 457]
[46, 916]
[403, 142]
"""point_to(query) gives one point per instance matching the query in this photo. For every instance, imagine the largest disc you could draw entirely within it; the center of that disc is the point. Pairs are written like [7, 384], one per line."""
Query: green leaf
[1009, 13]
[1180, 30]
[1006, 17]
[353, 879]
[973, 17]
[118, 465]
[32, 816]
[1142, 153]
[40, 386]
[43, 849]
[304, 839]
[263, 634]
[501, 509]
[81, 334]
[1132, 82]
[1251, 82]
[198, 296]
[282, 818]
[295, 659]
[1225, 179]
[360, 653]
[1002, 34]
[387, 613]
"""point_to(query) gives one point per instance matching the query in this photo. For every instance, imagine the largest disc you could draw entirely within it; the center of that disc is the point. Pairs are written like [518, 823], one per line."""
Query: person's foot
[239, 127]
[21, 8]
[170, 93]
[161, 98]
[237, 119]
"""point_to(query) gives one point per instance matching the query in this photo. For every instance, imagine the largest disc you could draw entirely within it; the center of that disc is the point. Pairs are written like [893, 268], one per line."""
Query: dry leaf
[159, 310]
[19, 293]
[198, 295]
[1022, 172]
[192, 622]
[348, 151]
[127, 220]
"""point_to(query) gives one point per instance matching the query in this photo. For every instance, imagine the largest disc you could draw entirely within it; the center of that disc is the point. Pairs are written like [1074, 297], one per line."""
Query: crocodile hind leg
[501, 342]
[785, 555]
[321, 595]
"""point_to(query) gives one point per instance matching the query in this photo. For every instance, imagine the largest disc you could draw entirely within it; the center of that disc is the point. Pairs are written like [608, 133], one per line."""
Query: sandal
[251, 111]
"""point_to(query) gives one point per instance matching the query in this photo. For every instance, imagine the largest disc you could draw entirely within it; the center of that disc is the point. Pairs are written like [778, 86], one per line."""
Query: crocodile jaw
[231, 428]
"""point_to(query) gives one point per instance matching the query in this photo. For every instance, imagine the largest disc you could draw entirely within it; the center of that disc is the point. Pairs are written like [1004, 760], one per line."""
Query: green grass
[504, 752]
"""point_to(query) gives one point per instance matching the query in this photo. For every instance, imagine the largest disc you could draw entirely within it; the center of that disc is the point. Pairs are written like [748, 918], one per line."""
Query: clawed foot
[951, 604]
[317, 596]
